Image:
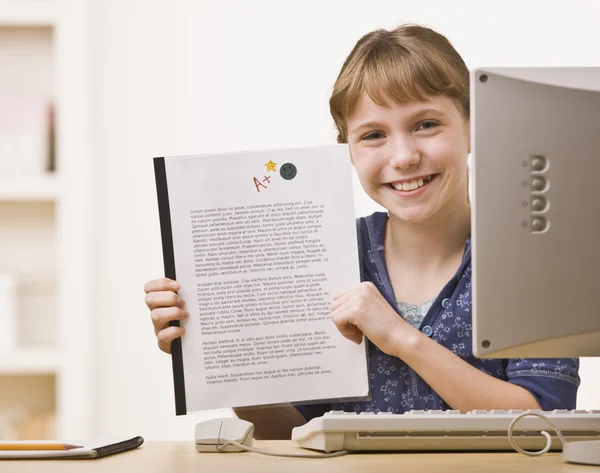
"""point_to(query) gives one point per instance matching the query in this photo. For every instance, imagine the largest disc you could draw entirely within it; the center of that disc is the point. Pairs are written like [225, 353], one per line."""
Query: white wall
[177, 76]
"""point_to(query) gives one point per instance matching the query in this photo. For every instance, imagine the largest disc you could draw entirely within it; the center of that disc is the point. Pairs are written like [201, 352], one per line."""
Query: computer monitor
[536, 212]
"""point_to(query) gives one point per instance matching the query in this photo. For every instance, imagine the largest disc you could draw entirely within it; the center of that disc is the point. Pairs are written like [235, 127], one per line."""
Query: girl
[401, 102]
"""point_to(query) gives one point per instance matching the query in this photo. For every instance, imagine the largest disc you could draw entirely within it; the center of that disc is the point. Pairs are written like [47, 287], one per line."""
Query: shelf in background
[30, 361]
[43, 187]
[27, 13]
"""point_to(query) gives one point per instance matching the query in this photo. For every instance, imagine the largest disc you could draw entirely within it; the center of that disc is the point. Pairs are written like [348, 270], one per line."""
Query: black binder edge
[164, 214]
[118, 447]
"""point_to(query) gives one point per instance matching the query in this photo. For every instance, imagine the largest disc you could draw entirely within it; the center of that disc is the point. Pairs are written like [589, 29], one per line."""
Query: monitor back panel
[536, 212]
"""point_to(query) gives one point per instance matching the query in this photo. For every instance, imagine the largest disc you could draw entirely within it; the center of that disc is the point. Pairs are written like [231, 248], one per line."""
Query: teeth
[412, 185]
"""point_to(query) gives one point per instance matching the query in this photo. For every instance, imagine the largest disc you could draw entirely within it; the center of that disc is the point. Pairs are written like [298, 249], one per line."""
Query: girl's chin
[410, 218]
[414, 215]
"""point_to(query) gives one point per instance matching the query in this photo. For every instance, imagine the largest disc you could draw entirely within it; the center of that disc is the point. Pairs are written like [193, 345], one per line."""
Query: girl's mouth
[411, 186]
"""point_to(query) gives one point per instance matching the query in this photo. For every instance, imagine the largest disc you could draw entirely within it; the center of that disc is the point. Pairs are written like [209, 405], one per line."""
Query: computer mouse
[209, 434]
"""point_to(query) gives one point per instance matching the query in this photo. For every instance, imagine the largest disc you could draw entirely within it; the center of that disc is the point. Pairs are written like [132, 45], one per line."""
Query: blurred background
[92, 90]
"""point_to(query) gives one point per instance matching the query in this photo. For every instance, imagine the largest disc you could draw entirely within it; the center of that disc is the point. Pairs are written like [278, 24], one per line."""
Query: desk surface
[181, 457]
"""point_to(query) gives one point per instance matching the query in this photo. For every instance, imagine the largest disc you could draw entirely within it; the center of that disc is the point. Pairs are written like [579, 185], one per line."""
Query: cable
[293, 455]
[543, 432]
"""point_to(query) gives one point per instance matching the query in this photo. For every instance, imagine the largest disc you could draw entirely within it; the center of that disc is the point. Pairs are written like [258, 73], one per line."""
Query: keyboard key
[515, 411]
[415, 412]
[452, 411]
[497, 411]
[561, 411]
[475, 412]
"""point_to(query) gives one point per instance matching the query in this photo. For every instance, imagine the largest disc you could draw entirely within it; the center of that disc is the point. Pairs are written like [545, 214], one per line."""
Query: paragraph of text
[227, 307]
[257, 351]
[239, 240]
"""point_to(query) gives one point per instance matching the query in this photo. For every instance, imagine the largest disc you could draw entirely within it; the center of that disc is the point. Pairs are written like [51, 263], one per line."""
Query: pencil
[36, 446]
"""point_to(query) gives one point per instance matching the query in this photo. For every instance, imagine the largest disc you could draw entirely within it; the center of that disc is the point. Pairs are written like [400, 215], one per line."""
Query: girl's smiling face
[411, 158]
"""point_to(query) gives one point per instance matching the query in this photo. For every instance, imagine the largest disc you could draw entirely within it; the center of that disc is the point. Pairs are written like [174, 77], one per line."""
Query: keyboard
[448, 430]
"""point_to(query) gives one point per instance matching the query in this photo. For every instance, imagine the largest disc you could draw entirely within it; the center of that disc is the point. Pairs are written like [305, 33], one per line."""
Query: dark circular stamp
[288, 171]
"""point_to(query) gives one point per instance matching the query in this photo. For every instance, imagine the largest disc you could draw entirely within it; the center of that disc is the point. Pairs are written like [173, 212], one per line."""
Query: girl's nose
[404, 153]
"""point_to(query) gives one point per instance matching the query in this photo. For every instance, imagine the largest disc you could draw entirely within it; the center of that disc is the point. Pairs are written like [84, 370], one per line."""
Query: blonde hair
[403, 65]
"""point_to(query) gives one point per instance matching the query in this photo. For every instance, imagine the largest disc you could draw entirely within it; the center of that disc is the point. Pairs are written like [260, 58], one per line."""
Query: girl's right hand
[165, 305]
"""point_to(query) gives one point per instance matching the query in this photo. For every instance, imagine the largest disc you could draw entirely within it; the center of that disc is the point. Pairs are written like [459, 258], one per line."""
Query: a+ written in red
[258, 184]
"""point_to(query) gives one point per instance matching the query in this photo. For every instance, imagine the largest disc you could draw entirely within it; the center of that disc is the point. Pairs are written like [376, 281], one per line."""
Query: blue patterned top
[396, 387]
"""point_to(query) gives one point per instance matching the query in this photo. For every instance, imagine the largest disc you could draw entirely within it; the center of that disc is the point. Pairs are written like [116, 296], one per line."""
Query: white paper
[259, 258]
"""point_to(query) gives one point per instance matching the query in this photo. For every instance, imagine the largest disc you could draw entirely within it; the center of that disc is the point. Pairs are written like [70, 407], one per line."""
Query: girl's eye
[427, 125]
[374, 135]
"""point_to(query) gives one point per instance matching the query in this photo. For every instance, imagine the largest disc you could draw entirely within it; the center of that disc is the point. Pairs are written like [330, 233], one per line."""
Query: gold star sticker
[270, 166]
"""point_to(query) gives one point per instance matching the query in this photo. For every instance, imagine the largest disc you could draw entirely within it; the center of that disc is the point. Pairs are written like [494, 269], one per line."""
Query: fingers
[167, 335]
[360, 293]
[351, 332]
[347, 305]
[163, 315]
[162, 284]
[340, 299]
[364, 288]
[158, 299]
[165, 306]
[342, 318]
[345, 292]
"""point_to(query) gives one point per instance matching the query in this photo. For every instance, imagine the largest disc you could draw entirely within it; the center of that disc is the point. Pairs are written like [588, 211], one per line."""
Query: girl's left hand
[363, 310]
